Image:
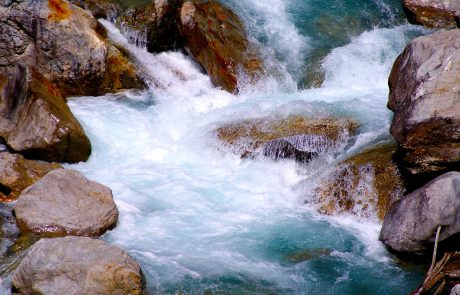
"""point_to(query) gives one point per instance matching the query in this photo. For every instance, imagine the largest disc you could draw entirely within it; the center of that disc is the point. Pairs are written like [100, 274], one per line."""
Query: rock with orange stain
[77, 265]
[425, 98]
[36, 121]
[18, 173]
[216, 38]
[433, 13]
[63, 43]
[364, 185]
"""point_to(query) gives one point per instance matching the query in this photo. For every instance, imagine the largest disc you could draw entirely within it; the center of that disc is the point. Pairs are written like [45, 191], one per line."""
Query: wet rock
[77, 265]
[36, 121]
[411, 223]
[61, 41]
[424, 89]
[18, 173]
[108, 9]
[215, 37]
[294, 137]
[433, 13]
[364, 185]
[153, 26]
[308, 254]
[64, 202]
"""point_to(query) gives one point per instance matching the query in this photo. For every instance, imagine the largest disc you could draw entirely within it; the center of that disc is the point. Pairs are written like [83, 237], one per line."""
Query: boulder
[18, 173]
[364, 185]
[36, 121]
[296, 137]
[424, 96]
[153, 26]
[215, 37]
[64, 202]
[77, 265]
[61, 41]
[411, 223]
[433, 13]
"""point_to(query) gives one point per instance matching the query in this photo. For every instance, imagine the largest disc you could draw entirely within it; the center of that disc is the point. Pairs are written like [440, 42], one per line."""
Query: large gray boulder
[77, 265]
[64, 43]
[411, 223]
[424, 95]
[433, 13]
[64, 202]
[36, 121]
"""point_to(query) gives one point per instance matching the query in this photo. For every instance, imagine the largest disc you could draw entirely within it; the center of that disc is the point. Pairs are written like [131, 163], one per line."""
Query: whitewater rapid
[199, 218]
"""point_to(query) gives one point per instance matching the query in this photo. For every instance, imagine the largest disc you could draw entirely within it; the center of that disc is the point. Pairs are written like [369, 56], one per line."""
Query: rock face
[36, 121]
[411, 223]
[64, 202]
[433, 13]
[424, 95]
[216, 38]
[17, 173]
[153, 26]
[61, 41]
[77, 265]
[364, 185]
[295, 137]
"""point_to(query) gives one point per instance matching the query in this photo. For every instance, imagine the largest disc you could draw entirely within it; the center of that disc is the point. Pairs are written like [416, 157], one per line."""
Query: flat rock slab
[64, 202]
[411, 223]
[77, 265]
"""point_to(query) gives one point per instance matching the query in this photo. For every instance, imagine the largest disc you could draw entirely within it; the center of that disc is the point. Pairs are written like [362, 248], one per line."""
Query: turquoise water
[200, 219]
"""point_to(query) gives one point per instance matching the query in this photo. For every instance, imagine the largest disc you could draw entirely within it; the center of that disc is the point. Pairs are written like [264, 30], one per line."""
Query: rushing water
[201, 219]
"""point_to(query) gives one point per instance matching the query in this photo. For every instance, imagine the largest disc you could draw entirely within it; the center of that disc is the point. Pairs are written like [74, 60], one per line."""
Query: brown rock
[77, 265]
[424, 95]
[215, 37]
[295, 136]
[108, 9]
[153, 26]
[61, 41]
[364, 185]
[36, 121]
[64, 202]
[18, 173]
[433, 13]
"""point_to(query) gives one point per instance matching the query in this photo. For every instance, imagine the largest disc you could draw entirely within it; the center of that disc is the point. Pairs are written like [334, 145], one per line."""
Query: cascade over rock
[64, 202]
[153, 26]
[216, 38]
[433, 13]
[77, 265]
[295, 137]
[18, 173]
[364, 185]
[424, 96]
[61, 41]
[36, 121]
[411, 223]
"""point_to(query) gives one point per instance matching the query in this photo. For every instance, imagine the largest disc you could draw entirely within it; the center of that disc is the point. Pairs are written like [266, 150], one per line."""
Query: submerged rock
[433, 13]
[215, 37]
[36, 121]
[18, 173]
[294, 137]
[64, 202]
[364, 185]
[153, 26]
[77, 265]
[424, 89]
[308, 254]
[411, 223]
[61, 41]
